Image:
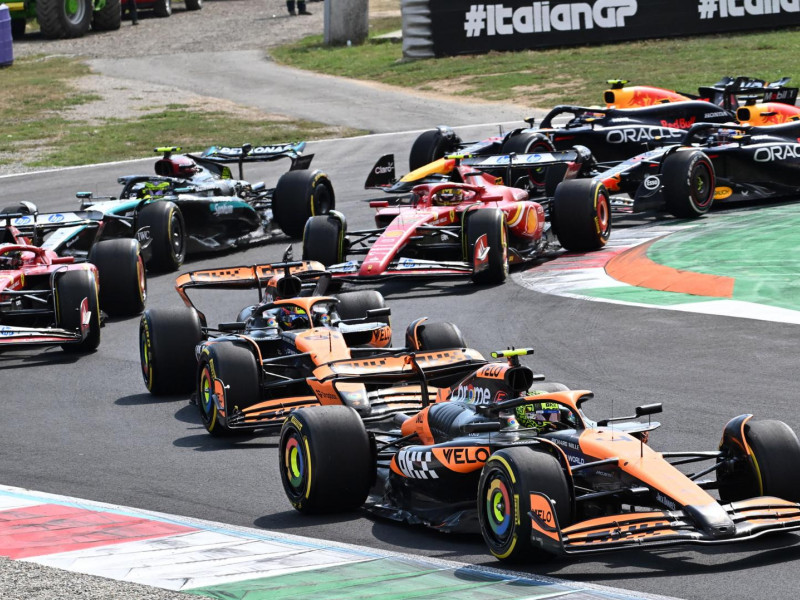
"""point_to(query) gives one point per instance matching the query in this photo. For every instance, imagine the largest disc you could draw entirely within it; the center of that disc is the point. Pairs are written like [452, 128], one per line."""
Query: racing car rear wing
[218, 155]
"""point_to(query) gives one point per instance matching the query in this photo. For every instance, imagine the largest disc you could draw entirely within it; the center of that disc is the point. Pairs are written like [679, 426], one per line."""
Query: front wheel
[438, 336]
[193, 4]
[504, 500]
[769, 469]
[299, 196]
[167, 231]
[581, 215]
[64, 18]
[235, 366]
[315, 474]
[487, 246]
[167, 338]
[323, 240]
[689, 183]
[73, 288]
[123, 285]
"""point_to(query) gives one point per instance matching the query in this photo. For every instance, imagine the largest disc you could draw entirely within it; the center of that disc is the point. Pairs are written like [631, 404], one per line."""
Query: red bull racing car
[523, 464]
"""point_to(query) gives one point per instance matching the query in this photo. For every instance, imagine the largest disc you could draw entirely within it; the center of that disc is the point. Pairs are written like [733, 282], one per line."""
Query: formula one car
[193, 205]
[460, 221]
[118, 263]
[536, 476]
[623, 129]
[284, 352]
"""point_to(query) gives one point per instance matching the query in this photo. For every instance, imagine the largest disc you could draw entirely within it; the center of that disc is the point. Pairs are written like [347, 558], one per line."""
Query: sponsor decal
[257, 150]
[714, 115]
[777, 152]
[5, 330]
[143, 234]
[686, 123]
[22, 221]
[641, 134]
[382, 170]
[651, 182]
[722, 192]
[407, 263]
[472, 394]
[384, 334]
[56, 218]
[669, 503]
[222, 208]
[465, 456]
[392, 233]
[715, 9]
[491, 371]
[415, 464]
[542, 17]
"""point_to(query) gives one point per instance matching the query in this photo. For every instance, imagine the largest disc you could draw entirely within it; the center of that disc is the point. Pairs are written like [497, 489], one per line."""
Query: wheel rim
[498, 510]
[295, 465]
[700, 185]
[74, 10]
[603, 218]
[144, 351]
[176, 237]
[207, 406]
[140, 275]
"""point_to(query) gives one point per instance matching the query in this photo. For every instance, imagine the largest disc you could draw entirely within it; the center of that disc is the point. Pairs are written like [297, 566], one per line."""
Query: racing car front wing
[752, 518]
[10, 335]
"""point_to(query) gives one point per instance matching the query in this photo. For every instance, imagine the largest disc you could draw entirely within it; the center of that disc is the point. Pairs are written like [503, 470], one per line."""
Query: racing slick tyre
[772, 466]
[486, 230]
[430, 146]
[108, 18]
[167, 338]
[354, 305]
[504, 489]
[439, 336]
[323, 240]
[167, 234]
[23, 208]
[315, 477]
[299, 196]
[236, 367]
[64, 18]
[581, 215]
[528, 142]
[193, 4]
[123, 285]
[689, 182]
[162, 8]
[71, 288]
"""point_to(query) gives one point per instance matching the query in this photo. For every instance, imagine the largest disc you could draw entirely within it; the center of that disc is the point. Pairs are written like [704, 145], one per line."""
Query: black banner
[472, 26]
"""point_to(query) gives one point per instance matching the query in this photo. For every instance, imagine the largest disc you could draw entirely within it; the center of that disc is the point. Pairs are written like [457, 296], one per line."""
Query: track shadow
[147, 399]
[14, 358]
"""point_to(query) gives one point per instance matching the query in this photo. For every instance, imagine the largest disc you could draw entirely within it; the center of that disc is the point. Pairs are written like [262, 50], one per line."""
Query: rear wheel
[487, 246]
[315, 477]
[64, 18]
[108, 18]
[123, 285]
[167, 338]
[581, 215]
[167, 233]
[354, 305]
[193, 4]
[236, 367]
[72, 288]
[430, 146]
[528, 142]
[507, 479]
[162, 8]
[771, 468]
[299, 196]
[323, 240]
[439, 336]
[689, 183]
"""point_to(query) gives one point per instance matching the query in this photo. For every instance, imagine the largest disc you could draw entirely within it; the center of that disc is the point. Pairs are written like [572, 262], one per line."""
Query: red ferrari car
[463, 222]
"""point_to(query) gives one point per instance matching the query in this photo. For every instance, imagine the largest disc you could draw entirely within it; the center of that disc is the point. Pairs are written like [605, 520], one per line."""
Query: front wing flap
[753, 517]
[402, 267]
[10, 335]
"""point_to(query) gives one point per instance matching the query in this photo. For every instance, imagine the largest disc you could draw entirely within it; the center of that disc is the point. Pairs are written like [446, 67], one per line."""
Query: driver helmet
[539, 415]
[448, 197]
[293, 317]
[11, 259]
[148, 189]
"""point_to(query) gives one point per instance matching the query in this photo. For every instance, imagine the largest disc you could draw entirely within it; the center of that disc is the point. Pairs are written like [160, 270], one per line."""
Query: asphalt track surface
[86, 427]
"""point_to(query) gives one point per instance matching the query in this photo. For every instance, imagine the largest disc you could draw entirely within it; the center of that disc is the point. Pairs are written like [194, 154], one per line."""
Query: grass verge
[38, 94]
[544, 78]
